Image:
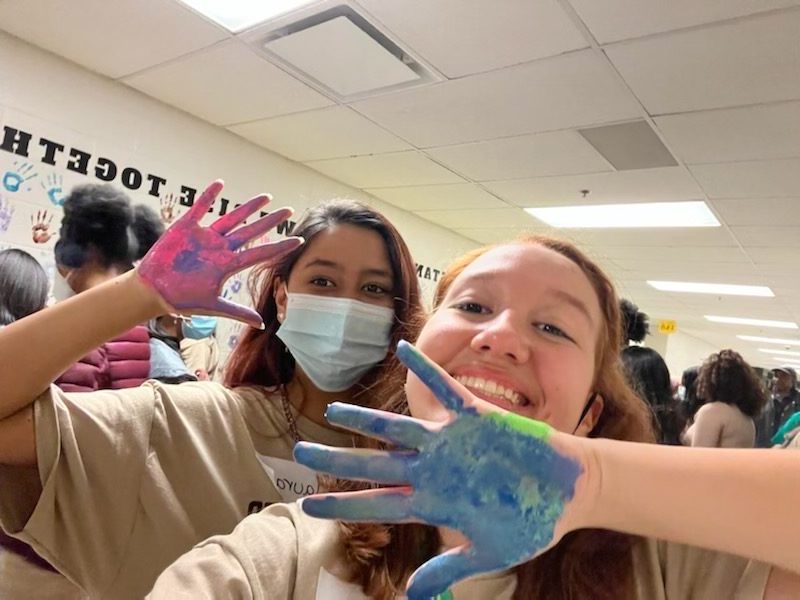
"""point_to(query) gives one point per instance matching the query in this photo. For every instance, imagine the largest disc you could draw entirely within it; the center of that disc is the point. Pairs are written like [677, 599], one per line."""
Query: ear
[281, 299]
[591, 418]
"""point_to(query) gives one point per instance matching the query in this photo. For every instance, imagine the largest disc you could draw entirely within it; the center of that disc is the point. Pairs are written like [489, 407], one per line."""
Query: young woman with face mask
[111, 487]
[520, 451]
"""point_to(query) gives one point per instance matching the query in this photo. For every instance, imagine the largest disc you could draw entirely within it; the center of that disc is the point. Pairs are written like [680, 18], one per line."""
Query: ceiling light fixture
[722, 289]
[769, 340]
[756, 322]
[782, 352]
[694, 213]
[238, 15]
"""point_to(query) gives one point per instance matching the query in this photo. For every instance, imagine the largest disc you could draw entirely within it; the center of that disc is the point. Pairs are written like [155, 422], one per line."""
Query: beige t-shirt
[283, 554]
[130, 480]
[721, 425]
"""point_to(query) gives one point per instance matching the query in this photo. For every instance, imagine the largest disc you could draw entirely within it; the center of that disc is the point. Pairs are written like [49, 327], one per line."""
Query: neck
[309, 400]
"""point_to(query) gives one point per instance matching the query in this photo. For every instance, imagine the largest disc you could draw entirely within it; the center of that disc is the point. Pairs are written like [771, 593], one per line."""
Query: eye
[322, 282]
[374, 288]
[472, 307]
[551, 329]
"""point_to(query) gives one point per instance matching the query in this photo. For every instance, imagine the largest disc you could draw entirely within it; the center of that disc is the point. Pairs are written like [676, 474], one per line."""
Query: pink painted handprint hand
[190, 263]
[496, 477]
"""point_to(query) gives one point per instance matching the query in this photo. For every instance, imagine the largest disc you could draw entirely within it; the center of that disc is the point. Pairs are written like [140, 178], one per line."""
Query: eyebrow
[321, 262]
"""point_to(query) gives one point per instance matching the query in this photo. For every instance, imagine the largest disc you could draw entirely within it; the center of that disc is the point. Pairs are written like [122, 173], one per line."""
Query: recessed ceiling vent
[341, 52]
[629, 146]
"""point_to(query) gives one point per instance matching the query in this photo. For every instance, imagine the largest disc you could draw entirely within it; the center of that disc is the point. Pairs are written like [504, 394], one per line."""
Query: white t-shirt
[129, 480]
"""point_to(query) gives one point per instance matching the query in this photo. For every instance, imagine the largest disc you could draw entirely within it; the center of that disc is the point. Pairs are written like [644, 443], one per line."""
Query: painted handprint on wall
[233, 335]
[53, 186]
[168, 204]
[40, 227]
[6, 213]
[18, 175]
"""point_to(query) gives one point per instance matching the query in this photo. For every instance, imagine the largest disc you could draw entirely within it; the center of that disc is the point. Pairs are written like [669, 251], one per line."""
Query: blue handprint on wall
[53, 186]
[233, 335]
[19, 173]
[6, 212]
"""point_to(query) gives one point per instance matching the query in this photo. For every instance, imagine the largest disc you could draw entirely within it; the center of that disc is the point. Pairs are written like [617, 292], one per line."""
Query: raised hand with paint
[531, 327]
[482, 461]
[143, 474]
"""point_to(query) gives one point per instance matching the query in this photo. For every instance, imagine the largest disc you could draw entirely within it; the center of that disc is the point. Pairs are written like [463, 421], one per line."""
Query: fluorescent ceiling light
[769, 340]
[645, 214]
[723, 289]
[782, 352]
[757, 322]
[238, 15]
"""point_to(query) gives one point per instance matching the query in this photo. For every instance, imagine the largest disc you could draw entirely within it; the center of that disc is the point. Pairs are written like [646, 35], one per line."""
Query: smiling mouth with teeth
[493, 390]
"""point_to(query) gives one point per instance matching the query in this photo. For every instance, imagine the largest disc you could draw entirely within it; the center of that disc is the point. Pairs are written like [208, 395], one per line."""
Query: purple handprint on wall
[6, 213]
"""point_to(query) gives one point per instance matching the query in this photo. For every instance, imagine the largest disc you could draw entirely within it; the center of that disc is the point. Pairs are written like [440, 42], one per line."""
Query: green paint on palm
[448, 595]
[536, 429]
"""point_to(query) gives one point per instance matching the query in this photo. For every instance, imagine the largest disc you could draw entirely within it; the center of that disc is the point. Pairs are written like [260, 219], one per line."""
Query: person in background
[199, 347]
[635, 323]
[166, 364]
[687, 393]
[648, 374]
[101, 237]
[785, 396]
[731, 396]
[23, 286]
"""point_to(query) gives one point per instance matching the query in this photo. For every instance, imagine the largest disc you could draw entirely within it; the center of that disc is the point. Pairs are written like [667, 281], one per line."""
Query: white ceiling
[495, 128]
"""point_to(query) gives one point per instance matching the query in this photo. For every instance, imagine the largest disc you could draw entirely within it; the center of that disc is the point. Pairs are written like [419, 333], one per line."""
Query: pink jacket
[120, 363]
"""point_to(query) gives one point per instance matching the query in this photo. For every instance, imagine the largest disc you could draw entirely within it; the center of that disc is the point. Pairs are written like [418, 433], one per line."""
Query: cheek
[569, 380]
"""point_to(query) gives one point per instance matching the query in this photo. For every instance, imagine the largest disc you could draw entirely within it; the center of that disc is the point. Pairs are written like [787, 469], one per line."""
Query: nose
[502, 337]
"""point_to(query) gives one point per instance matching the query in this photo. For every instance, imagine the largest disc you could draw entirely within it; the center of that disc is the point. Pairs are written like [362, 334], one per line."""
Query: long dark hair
[261, 358]
[726, 377]
[23, 285]
[100, 224]
[589, 563]
[648, 374]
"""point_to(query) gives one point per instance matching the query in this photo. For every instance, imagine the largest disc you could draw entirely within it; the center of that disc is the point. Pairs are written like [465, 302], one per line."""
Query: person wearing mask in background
[101, 236]
[142, 475]
[731, 396]
[166, 364]
[199, 348]
[648, 374]
[785, 396]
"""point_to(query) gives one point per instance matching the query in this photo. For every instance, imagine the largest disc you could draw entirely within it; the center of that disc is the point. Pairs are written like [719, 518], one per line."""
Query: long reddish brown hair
[589, 563]
[261, 358]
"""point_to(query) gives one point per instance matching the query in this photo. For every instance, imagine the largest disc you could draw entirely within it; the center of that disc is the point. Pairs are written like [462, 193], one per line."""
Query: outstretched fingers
[241, 236]
[236, 217]
[390, 468]
[204, 201]
[386, 505]
[431, 375]
[438, 574]
[232, 310]
[268, 252]
[389, 427]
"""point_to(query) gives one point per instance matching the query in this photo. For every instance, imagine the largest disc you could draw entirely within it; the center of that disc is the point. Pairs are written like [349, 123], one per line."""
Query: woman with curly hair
[731, 395]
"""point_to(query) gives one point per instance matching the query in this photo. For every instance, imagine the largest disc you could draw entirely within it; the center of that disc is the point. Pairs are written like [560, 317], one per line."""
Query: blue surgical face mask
[199, 327]
[335, 341]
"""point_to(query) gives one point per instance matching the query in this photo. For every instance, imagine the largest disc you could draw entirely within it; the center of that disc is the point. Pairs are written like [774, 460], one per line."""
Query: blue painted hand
[492, 475]
[53, 187]
[15, 177]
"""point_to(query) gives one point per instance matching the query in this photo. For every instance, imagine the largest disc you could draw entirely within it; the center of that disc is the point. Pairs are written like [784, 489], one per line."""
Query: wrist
[581, 512]
[145, 295]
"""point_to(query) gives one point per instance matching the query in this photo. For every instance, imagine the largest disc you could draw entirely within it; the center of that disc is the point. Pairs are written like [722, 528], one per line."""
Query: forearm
[741, 502]
[37, 349]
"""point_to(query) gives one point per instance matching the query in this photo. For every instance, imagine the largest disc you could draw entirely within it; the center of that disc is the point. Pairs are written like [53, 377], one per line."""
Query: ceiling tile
[648, 185]
[573, 90]
[745, 62]
[661, 238]
[496, 218]
[386, 170]
[777, 257]
[333, 132]
[759, 211]
[726, 135]
[612, 20]
[723, 253]
[227, 84]
[542, 154]
[456, 46]
[771, 237]
[112, 38]
[438, 197]
[489, 235]
[768, 178]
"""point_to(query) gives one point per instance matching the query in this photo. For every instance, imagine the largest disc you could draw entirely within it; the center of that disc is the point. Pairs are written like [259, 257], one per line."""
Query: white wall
[684, 351]
[51, 98]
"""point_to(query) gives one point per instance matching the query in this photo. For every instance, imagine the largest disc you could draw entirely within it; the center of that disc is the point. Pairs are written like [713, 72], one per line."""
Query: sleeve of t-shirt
[707, 428]
[77, 512]
[258, 560]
